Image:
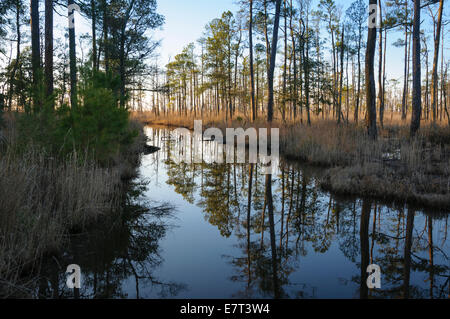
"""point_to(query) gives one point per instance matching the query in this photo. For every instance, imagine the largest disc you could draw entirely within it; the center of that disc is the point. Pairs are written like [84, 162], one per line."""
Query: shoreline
[393, 182]
[78, 196]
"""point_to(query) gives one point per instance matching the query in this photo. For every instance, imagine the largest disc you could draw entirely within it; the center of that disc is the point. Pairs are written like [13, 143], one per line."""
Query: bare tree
[19, 10]
[252, 72]
[417, 88]
[370, 79]
[35, 50]
[406, 73]
[273, 57]
[72, 58]
[434, 84]
[49, 47]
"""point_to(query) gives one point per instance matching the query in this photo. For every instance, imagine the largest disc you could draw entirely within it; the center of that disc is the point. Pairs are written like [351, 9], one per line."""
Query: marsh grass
[45, 199]
[393, 167]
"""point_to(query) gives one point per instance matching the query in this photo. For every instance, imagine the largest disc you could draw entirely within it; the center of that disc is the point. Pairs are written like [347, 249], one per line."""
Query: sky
[185, 22]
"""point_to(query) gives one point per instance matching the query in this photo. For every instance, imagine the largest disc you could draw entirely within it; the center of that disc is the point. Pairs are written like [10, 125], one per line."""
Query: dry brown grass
[43, 200]
[393, 167]
[175, 120]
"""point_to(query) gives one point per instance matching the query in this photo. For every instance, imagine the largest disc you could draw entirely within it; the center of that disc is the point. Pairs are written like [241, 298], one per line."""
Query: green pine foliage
[97, 128]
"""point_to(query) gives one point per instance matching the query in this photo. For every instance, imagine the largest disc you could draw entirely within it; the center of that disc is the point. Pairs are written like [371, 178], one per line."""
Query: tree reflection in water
[122, 253]
[291, 239]
[301, 221]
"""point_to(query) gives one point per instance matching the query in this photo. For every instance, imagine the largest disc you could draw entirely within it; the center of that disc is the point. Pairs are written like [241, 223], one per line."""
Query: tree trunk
[252, 71]
[307, 68]
[94, 36]
[333, 46]
[16, 65]
[444, 94]
[380, 68]
[72, 61]
[105, 34]
[341, 79]
[283, 100]
[273, 57]
[358, 94]
[122, 57]
[122, 72]
[294, 53]
[443, 82]
[383, 95]
[370, 81]
[266, 36]
[405, 84]
[417, 89]
[236, 65]
[427, 76]
[35, 51]
[434, 81]
[49, 47]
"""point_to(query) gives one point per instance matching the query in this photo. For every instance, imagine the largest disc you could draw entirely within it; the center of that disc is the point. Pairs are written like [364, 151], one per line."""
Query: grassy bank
[44, 198]
[394, 167]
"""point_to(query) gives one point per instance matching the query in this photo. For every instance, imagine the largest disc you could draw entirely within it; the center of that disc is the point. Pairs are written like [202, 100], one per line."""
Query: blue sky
[186, 20]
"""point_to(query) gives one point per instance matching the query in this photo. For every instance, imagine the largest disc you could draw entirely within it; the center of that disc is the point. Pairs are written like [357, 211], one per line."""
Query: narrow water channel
[201, 239]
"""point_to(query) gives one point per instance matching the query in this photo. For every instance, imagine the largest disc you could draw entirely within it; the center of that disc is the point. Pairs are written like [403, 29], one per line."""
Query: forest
[81, 82]
[68, 145]
[319, 73]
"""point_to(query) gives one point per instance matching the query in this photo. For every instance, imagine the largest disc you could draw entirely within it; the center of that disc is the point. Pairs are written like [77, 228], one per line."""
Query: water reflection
[117, 258]
[292, 240]
[237, 232]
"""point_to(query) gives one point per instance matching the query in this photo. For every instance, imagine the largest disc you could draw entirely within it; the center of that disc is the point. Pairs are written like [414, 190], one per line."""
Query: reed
[44, 199]
[392, 167]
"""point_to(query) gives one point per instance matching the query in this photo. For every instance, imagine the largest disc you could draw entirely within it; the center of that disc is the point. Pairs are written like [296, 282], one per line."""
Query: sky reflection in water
[200, 245]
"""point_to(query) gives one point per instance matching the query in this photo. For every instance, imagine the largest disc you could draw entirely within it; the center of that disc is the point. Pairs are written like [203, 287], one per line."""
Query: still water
[193, 231]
